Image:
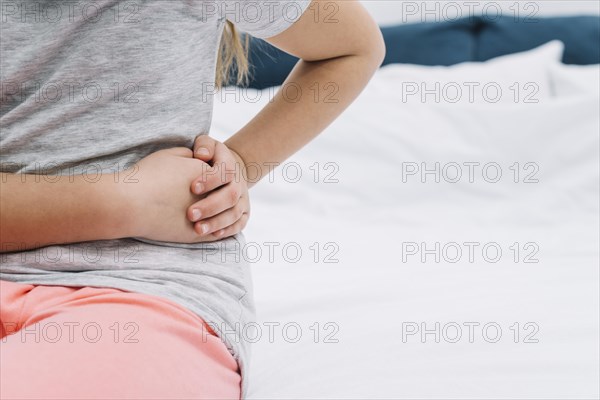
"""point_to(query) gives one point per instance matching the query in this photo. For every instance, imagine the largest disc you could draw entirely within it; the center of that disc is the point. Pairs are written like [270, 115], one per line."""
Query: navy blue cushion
[431, 43]
[580, 34]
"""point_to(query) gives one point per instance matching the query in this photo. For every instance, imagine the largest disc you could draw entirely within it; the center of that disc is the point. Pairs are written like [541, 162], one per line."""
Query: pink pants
[81, 343]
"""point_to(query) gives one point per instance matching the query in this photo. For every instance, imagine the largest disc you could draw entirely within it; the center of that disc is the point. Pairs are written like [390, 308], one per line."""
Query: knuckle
[234, 194]
[231, 230]
[208, 211]
[204, 209]
[235, 214]
[239, 211]
[240, 224]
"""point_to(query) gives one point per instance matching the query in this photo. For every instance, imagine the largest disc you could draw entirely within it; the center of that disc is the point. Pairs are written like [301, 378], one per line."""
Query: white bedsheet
[368, 220]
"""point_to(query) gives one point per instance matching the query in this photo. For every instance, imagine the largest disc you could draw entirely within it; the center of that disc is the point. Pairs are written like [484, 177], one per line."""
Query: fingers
[215, 203]
[221, 223]
[204, 148]
[237, 227]
[228, 231]
[225, 169]
[225, 210]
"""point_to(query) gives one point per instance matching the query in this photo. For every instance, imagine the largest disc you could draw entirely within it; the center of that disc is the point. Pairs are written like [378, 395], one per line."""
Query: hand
[225, 209]
[158, 196]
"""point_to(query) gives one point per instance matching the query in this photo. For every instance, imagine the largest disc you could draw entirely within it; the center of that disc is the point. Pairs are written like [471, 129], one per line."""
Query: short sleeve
[263, 18]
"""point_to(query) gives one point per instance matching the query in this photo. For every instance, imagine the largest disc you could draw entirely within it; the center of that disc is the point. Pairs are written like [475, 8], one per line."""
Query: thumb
[204, 148]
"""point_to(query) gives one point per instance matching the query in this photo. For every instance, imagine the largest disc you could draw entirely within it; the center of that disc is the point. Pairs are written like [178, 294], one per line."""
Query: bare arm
[37, 210]
[342, 55]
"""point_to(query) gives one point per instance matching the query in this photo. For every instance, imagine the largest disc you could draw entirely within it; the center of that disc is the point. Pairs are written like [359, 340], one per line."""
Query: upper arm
[309, 29]
[329, 29]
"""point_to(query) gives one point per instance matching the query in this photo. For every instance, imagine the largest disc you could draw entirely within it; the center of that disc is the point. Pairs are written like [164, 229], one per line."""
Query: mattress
[428, 250]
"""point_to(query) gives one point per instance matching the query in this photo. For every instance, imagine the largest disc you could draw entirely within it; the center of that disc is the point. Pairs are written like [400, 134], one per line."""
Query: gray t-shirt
[93, 86]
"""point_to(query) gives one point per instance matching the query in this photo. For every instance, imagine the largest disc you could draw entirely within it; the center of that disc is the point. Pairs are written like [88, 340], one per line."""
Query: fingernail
[196, 214]
[198, 188]
[221, 232]
[204, 228]
[202, 151]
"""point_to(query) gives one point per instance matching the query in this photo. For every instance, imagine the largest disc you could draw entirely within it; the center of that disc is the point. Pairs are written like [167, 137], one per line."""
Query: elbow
[373, 49]
[379, 50]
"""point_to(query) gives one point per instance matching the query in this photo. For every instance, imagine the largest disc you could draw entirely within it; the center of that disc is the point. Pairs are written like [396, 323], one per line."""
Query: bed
[433, 249]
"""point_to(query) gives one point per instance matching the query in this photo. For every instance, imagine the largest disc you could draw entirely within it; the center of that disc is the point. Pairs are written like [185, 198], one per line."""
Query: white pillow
[515, 78]
[573, 80]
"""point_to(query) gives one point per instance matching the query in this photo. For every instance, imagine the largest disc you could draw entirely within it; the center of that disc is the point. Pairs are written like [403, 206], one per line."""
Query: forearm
[37, 211]
[287, 124]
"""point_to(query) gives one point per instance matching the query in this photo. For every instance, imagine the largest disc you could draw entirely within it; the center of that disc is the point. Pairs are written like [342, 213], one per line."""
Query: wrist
[115, 209]
[241, 164]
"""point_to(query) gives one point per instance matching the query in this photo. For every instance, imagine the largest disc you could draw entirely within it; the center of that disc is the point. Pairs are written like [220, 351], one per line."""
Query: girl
[120, 233]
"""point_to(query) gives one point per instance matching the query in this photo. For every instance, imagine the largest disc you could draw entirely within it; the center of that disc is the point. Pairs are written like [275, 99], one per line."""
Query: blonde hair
[232, 58]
